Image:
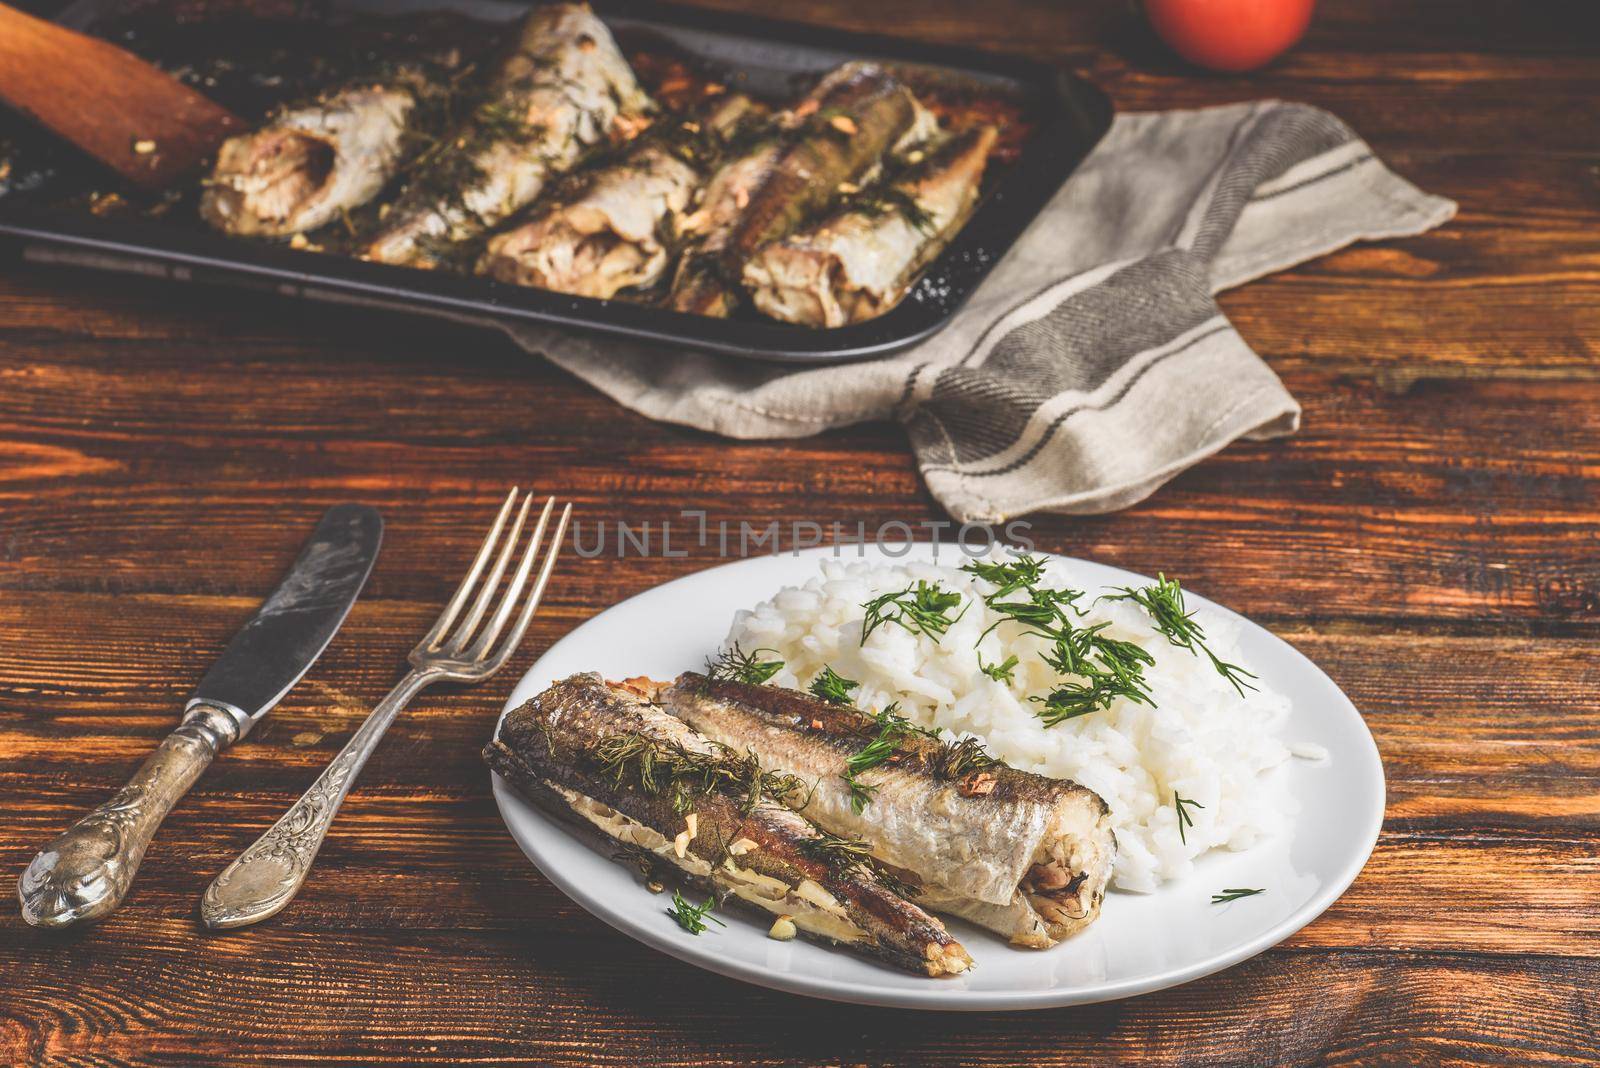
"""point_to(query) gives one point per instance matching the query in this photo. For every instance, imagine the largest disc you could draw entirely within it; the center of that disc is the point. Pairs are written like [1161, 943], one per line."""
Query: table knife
[86, 871]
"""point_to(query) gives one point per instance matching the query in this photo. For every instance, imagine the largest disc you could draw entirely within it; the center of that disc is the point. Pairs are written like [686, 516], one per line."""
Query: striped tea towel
[1093, 364]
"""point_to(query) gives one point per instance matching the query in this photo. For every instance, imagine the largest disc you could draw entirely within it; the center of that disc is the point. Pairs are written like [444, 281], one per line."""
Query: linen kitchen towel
[1093, 364]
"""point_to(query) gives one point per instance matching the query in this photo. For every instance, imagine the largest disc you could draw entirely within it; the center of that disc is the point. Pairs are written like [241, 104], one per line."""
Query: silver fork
[266, 877]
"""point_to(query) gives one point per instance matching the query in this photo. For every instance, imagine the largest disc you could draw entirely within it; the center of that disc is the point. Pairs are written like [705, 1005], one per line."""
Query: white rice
[1201, 740]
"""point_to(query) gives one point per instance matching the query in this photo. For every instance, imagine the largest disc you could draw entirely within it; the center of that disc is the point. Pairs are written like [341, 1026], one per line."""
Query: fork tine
[442, 624]
[509, 646]
[491, 585]
[513, 591]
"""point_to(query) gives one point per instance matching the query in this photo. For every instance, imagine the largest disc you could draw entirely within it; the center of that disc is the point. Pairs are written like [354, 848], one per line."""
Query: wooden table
[1429, 538]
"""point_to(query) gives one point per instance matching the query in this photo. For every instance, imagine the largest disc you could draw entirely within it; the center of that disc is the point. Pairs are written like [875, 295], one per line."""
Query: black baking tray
[1069, 116]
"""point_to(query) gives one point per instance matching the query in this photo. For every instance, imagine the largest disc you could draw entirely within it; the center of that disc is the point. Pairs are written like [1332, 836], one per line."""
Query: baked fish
[1018, 853]
[563, 90]
[309, 164]
[608, 760]
[838, 134]
[859, 262]
[614, 232]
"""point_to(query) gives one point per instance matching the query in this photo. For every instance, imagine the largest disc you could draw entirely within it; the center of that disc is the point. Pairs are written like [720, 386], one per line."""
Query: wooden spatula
[140, 122]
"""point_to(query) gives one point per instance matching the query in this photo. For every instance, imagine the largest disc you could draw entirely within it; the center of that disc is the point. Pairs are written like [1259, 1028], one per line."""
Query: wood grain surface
[1429, 538]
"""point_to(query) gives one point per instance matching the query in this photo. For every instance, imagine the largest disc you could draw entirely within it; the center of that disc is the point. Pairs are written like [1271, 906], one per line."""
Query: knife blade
[85, 872]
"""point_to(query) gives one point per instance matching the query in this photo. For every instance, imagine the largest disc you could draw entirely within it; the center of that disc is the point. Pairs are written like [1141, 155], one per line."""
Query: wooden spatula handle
[113, 105]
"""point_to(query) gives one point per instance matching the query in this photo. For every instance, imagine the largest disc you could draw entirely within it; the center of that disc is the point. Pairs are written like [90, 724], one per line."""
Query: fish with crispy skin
[1024, 855]
[606, 759]
[841, 131]
[614, 231]
[858, 263]
[564, 89]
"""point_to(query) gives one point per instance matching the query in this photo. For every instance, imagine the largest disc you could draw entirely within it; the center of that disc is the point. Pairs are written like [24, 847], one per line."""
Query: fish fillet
[859, 263]
[613, 232]
[564, 89]
[707, 824]
[841, 131]
[1021, 854]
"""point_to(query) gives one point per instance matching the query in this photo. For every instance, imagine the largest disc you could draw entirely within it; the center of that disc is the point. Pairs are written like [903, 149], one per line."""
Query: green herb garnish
[659, 767]
[1000, 672]
[1184, 819]
[1234, 895]
[735, 665]
[1007, 576]
[1163, 602]
[921, 609]
[889, 728]
[956, 759]
[692, 917]
[833, 687]
[845, 854]
[880, 200]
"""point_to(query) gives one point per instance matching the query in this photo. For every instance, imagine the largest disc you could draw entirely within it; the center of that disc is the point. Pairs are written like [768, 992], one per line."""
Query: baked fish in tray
[615, 232]
[311, 163]
[563, 90]
[844, 128]
[1026, 856]
[858, 263]
[305, 182]
[603, 757]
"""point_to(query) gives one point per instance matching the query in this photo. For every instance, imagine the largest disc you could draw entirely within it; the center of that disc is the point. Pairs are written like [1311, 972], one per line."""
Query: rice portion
[1202, 740]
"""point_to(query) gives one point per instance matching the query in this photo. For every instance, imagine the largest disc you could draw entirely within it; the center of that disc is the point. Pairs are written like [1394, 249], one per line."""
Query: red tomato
[1229, 35]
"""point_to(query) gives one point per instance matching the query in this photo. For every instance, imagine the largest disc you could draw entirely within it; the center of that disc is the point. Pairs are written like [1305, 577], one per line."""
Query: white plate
[1142, 942]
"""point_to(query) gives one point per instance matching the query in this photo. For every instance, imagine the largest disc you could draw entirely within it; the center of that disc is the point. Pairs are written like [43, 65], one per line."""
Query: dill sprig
[1102, 668]
[692, 917]
[833, 687]
[843, 855]
[958, 758]
[1001, 672]
[880, 200]
[1185, 821]
[736, 665]
[888, 727]
[1234, 895]
[922, 608]
[1163, 602]
[1007, 576]
[659, 767]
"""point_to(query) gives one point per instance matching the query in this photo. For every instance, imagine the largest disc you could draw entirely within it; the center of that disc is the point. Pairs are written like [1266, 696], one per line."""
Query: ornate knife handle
[266, 876]
[85, 872]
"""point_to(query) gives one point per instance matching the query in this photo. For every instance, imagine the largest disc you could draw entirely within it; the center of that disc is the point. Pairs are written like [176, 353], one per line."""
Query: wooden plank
[1450, 500]
[1512, 787]
[554, 996]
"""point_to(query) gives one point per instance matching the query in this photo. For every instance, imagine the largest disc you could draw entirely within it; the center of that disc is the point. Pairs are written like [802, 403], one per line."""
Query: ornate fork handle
[266, 876]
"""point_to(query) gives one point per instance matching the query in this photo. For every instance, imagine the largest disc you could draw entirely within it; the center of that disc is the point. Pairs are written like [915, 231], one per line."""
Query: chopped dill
[957, 758]
[1103, 668]
[692, 917]
[1069, 700]
[736, 665]
[888, 728]
[1001, 672]
[1234, 895]
[659, 767]
[921, 609]
[1184, 819]
[881, 200]
[497, 120]
[844, 855]
[1007, 576]
[1163, 602]
[833, 687]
